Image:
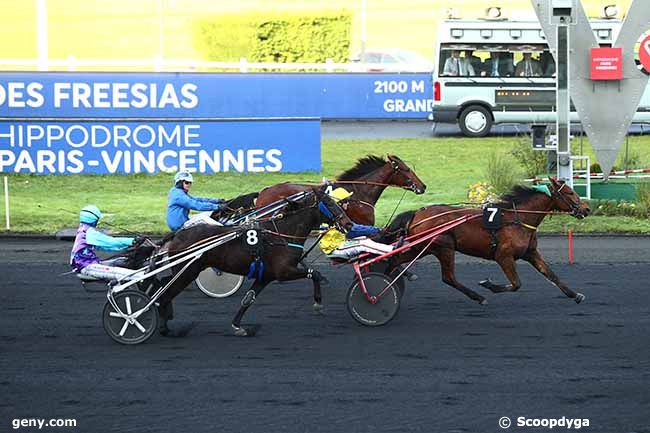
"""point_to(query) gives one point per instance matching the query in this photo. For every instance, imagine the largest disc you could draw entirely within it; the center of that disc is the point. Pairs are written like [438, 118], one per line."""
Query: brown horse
[268, 250]
[523, 210]
[367, 180]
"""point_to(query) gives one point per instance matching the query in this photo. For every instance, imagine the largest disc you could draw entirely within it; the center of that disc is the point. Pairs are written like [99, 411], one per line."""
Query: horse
[277, 253]
[523, 209]
[367, 180]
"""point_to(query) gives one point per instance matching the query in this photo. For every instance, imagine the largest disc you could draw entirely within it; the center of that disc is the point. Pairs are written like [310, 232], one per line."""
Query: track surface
[444, 364]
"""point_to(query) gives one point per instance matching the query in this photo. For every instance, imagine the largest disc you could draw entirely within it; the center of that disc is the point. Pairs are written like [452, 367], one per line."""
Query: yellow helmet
[340, 194]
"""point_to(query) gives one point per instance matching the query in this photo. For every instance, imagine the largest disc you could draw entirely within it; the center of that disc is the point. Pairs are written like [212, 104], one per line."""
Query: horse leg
[316, 279]
[246, 302]
[509, 268]
[536, 259]
[165, 307]
[446, 258]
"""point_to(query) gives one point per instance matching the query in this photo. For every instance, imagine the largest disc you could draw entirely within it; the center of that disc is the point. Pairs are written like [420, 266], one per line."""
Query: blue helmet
[90, 214]
[183, 175]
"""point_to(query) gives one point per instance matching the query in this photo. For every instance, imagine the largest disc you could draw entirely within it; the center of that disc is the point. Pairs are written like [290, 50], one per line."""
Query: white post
[364, 35]
[7, 202]
[41, 35]
[161, 26]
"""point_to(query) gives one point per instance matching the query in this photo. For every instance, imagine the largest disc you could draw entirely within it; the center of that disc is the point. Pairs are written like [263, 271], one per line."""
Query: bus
[501, 71]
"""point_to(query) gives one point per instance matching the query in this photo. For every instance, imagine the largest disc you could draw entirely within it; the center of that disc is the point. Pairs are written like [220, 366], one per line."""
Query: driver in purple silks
[83, 258]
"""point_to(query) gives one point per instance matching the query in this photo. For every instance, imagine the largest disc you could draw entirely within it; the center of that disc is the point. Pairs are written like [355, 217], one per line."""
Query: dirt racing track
[445, 364]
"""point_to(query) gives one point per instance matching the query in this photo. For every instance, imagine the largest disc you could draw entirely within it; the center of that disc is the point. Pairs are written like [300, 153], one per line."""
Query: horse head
[404, 177]
[566, 199]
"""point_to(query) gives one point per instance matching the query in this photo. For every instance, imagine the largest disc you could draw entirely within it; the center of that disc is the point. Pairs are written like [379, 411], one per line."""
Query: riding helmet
[90, 214]
[183, 175]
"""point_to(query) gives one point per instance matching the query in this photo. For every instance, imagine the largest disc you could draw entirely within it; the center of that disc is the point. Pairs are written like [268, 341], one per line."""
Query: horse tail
[398, 226]
[246, 201]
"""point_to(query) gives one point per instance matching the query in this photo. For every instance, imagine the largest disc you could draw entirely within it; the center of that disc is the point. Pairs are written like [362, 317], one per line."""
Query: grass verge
[45, 204]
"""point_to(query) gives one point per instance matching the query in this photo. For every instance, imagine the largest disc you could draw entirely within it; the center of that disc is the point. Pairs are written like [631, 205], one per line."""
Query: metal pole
[564, 171]
[364, 35]
[6, 181]
[41, 35]
[161, 25]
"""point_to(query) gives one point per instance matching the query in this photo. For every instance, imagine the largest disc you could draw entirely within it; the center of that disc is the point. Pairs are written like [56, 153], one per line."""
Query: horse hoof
[579, 298]
[485, 283]
[483, 302]
[239, 331]
[318, 308]
[245, 331]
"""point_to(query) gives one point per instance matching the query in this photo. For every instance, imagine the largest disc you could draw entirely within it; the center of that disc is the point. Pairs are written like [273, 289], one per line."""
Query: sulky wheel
[382, 267]
[383, 310]
[134, 330]
[217, 284]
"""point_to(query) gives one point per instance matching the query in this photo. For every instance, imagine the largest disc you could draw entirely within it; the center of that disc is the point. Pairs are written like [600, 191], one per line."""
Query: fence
[188, 65]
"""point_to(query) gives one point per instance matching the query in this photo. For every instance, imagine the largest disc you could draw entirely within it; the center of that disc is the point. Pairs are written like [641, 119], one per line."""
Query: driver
[180, 202]
[83, 258]
[355, 241]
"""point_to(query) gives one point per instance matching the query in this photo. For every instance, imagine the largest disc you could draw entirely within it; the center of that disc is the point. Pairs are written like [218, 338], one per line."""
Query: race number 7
[493, 211]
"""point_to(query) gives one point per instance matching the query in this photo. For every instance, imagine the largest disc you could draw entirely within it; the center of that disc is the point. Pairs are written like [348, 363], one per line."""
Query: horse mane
[400, 223]
[364, 166]
[518, 195]
[245, 201]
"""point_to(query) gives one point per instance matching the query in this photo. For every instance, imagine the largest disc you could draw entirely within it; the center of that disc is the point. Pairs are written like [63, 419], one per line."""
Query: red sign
[607, 63]
[642, 53]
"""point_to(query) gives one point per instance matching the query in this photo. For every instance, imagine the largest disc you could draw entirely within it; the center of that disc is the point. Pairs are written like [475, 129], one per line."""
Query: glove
[139, 240]
[218, 207]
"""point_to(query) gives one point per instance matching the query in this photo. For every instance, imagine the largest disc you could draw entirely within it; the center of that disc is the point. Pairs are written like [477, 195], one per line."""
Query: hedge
[287, 38]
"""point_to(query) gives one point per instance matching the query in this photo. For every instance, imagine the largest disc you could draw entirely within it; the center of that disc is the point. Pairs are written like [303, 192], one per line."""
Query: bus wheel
[475, 121]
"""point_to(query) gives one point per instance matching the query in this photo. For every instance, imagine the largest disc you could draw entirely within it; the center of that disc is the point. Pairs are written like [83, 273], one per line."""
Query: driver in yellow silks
[356, 241]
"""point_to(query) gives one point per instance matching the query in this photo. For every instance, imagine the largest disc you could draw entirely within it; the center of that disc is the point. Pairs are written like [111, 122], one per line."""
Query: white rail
[6, 185]
[189, 65]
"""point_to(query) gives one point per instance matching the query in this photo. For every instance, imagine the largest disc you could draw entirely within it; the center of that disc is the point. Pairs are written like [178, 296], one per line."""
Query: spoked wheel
[382, 267]
[136, 329]
[386, 303]
[217, 284]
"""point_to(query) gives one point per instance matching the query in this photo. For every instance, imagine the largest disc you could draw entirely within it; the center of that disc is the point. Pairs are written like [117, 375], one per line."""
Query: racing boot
[165, 313]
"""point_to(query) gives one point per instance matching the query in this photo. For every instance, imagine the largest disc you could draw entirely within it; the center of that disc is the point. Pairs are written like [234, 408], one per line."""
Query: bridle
[557, 194]
[410, 185]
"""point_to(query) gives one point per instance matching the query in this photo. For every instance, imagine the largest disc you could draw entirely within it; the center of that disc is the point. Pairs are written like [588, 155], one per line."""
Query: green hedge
[287, 38]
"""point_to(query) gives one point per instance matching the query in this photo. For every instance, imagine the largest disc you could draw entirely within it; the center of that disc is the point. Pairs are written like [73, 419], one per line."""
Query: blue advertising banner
[226, 95]
[101, 147]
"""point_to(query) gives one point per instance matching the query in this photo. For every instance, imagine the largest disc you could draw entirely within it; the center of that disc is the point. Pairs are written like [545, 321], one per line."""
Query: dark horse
[367, 180]
[281, 240]
[523, 210]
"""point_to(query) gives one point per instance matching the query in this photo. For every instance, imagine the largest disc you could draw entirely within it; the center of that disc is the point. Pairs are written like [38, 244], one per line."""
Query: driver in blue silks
[180, 202]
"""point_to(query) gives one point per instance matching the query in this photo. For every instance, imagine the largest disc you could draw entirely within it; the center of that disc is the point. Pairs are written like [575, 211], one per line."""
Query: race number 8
[493, 211]
[251, 237]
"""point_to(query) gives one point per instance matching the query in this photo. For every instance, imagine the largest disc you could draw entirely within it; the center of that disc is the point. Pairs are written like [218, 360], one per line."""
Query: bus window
[547, 63]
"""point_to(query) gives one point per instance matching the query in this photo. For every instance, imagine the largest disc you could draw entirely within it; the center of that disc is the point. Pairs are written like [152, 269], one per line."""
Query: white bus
[476, 91]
